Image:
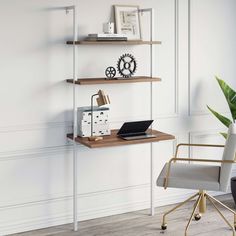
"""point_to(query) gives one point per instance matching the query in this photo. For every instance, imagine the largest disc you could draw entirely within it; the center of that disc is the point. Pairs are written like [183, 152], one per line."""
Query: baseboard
[66, 217]
[16, 226]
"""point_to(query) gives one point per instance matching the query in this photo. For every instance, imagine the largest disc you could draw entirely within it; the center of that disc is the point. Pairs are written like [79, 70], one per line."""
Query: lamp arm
[92, 113]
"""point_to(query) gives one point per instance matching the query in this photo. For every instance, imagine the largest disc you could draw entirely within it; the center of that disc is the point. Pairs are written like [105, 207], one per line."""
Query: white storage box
[100, 121]
[98, 130]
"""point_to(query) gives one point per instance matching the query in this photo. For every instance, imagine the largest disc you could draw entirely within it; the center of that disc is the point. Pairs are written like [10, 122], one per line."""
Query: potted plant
[230, 96]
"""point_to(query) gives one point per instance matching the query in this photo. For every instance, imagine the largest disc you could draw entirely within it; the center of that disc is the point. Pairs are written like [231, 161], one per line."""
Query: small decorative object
[108, 28]
[100, 121]
[127, 19]
[101, 101]
[110, 72]
[126, 65]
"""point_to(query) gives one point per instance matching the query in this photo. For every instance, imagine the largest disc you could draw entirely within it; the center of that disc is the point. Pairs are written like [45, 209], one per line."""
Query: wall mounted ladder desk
[111, 140]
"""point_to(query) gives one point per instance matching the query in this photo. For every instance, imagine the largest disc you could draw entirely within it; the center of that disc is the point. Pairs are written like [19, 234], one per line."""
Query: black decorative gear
[110, 72]
[126, 65]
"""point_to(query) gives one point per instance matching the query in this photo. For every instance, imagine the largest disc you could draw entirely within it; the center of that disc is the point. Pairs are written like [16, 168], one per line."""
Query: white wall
[198, 42]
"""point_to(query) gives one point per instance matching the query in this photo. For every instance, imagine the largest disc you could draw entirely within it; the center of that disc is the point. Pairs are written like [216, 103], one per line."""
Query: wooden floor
[140, 224]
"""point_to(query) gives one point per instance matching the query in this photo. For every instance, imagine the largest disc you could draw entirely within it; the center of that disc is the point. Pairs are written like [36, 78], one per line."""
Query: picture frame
[127, 21]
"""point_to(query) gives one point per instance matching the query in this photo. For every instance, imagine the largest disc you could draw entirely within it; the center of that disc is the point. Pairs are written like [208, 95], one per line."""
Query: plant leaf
[230, 96]
[225, 135]
[223, 119]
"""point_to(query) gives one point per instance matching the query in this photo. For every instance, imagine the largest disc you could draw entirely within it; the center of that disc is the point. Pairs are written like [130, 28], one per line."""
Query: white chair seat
[191, 176]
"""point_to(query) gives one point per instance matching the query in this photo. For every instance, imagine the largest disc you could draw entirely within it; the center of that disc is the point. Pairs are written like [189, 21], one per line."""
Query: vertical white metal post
[75, 35]
[75, 120]
[152, 183]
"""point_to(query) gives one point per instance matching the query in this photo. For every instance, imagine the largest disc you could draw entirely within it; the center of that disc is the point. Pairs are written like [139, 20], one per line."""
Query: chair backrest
[229, 154]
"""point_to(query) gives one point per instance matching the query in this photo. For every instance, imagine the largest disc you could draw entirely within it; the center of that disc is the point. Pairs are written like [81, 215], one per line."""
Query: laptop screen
[134, 127]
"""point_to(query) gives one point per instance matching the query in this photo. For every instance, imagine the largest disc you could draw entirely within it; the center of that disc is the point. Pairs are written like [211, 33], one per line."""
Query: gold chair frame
[202, 195]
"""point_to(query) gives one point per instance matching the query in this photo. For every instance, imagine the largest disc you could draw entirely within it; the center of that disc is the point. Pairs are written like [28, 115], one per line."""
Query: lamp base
[95, 138]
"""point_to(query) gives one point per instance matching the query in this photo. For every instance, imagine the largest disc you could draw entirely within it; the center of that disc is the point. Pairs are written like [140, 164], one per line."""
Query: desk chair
[185, 174]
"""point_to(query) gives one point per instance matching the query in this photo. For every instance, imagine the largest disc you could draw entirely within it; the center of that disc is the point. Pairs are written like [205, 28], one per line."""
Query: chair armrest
[192, 159]
[195, 145]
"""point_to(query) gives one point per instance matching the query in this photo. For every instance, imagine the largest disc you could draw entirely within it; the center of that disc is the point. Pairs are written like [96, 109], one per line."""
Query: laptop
[135, 130]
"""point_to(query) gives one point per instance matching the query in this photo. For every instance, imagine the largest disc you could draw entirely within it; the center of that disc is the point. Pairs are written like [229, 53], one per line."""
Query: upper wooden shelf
[114, 140]
[135, 79]
[131, 42]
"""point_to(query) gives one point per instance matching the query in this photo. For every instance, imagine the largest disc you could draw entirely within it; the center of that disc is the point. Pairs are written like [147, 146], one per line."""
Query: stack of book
[106, 37]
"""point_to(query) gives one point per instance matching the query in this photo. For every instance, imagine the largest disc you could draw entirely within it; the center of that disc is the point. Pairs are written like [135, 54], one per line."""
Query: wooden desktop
[114, 140]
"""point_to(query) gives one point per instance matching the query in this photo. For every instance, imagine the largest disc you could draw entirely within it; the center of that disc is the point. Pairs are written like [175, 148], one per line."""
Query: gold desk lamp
[101, 101]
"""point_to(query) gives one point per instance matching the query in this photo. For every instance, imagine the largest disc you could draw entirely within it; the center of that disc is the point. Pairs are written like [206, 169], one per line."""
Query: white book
[107, 35]
[106, 39]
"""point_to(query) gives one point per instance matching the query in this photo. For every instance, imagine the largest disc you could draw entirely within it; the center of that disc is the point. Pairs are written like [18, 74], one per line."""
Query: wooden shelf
[131, 42]
[135, 79]
[114, 140]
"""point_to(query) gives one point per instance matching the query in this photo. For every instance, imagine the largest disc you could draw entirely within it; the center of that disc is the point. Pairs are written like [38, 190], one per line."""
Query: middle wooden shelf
[135, 79]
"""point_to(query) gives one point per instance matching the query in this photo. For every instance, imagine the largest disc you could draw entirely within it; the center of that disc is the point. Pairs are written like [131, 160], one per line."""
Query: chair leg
[235, 221]
[202, 204]
[223, 205]
[227, 222]
[193, 212]
[164, 224]
[220, 203]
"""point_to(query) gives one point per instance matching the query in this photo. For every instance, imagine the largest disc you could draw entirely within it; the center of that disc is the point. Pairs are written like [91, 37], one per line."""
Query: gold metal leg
[223, 205]
[227, 222]
[235, 221]
[202, 204]
[220, 203]
[176, 207]
[194, 209]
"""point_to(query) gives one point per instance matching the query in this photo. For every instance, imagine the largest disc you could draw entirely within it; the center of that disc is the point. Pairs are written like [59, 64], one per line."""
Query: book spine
[107, 35]
[106, 39]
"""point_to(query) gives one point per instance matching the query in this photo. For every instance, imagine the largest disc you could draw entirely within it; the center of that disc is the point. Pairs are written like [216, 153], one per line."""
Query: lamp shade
[102, 98]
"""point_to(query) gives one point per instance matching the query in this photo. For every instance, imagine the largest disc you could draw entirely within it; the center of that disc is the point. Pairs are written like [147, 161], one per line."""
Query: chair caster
[164, 226]
[197, 217]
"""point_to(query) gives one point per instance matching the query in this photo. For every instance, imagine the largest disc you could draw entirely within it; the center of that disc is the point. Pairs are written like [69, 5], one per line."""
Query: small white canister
[108, 28]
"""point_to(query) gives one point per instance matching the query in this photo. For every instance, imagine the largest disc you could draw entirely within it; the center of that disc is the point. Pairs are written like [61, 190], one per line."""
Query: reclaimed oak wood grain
[130, 42]
[114, 140]
[135, 79]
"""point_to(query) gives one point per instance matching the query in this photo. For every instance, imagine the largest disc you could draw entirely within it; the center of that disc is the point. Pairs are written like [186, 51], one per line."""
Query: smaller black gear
[110, 72]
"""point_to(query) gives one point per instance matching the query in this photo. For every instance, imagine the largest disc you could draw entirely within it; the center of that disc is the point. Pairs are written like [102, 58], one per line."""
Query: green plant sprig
[230, 96]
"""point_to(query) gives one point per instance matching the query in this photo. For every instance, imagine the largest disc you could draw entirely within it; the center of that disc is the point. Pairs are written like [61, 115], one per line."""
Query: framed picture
[127, 20]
